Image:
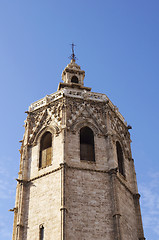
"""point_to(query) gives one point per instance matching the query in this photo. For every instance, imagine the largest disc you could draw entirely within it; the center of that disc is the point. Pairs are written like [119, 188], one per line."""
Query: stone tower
[77, 179]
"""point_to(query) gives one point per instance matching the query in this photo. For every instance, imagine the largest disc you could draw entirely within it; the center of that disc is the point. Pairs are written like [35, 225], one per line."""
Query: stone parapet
[78, 94]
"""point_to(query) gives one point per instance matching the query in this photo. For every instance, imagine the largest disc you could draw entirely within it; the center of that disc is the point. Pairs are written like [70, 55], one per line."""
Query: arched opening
[45, 150]
[41, 233]
[120, 158]
[74, 79]
[87, 144]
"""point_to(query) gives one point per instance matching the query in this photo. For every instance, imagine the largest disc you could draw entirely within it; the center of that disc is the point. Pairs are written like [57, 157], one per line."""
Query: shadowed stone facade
[73, 198]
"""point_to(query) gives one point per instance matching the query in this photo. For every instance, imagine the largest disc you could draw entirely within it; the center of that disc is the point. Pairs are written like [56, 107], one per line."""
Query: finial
[73, 57]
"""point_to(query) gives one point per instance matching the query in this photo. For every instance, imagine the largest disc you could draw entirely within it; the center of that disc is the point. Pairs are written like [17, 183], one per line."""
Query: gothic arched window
[74, 79]
[45, 150]
[120, 158]
[87, 144]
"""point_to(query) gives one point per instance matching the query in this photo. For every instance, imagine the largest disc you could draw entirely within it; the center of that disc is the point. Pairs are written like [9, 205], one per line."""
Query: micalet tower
[77, 179]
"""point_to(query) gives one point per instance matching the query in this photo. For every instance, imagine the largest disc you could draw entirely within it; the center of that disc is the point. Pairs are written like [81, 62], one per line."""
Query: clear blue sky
[118, 47]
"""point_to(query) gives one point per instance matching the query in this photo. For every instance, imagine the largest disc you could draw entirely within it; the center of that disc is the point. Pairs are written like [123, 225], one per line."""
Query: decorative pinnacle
[73, 57]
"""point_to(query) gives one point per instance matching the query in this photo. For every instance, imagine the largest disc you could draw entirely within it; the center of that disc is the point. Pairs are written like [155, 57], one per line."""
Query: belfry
[77, 178]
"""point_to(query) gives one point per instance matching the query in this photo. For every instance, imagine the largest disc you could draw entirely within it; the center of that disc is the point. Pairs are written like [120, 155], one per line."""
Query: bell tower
[77, 178]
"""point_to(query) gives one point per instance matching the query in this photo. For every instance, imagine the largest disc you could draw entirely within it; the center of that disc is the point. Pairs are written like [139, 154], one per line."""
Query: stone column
[138, 217]
[63, 201]
[19, 206]
[115, 204]
[19, 215]
[15, 214]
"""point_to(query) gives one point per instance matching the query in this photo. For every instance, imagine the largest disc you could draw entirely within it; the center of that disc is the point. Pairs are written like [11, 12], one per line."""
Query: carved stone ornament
[85, 112]
[121, 130]
[49, 116]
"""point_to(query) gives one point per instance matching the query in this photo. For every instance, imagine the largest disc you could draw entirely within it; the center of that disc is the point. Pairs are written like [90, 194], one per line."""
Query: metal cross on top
[73, 53]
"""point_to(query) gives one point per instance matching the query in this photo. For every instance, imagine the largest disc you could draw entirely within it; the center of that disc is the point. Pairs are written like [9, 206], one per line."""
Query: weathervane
[73, 57]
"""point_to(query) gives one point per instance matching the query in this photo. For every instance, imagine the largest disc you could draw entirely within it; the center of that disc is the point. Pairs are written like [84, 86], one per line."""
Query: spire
[73, 56]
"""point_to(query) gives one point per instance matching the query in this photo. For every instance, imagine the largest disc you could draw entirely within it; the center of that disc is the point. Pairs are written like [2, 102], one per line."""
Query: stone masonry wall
[89, 207]
[127, 211]
[43, 207]
[42, 200]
